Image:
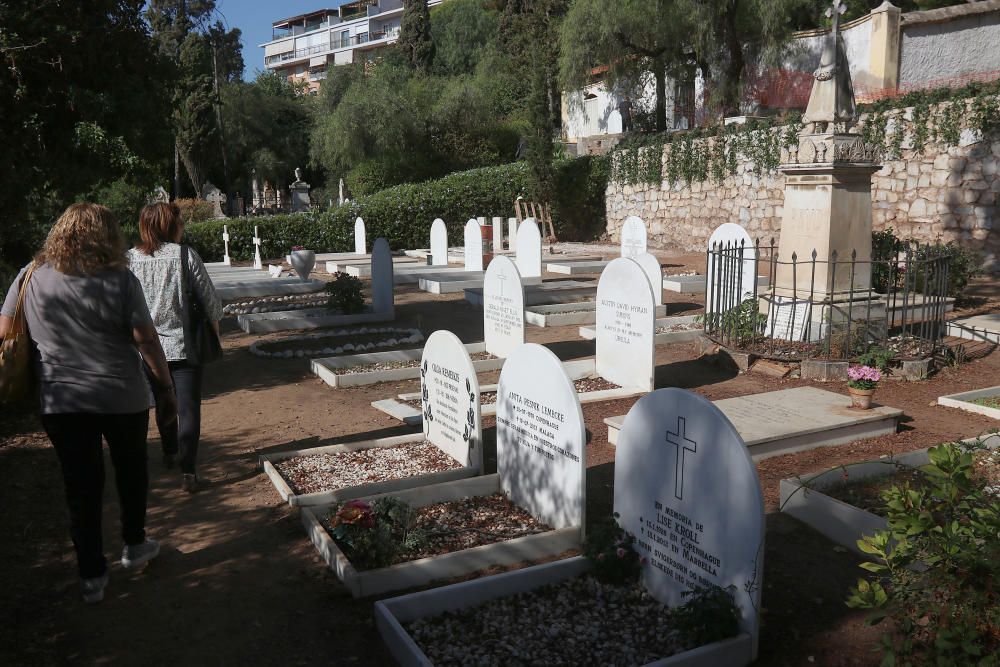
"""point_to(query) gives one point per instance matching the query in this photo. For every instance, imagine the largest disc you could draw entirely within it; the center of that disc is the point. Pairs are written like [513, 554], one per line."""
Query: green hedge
[403, 214]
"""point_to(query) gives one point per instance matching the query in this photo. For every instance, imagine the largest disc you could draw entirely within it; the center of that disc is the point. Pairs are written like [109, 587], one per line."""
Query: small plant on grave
[937, 567]
[743, 324]
[863, 377]
[876, 357]
[610, 550]
[374, 535]
[345, 294]
[709, 615]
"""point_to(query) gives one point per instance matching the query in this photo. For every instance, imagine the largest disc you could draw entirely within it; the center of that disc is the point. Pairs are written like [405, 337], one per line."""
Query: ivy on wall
[923, 117]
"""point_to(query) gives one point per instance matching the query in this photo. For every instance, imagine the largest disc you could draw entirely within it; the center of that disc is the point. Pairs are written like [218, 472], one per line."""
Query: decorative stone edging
[269, 304]
[412, 336]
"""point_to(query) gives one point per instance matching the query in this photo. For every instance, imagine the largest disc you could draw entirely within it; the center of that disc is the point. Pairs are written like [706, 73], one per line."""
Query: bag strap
[20, 322]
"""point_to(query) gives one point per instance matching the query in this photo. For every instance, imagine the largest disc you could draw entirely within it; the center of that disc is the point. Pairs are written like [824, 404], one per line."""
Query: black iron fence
[818, 307]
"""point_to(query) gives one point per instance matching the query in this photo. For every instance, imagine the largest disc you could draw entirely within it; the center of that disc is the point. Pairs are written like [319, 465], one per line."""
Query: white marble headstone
[383, 300]
[439, 243]
[731, 237]
[633, 236]
[529, 249]
[360, 238]
[541, 438]
[449, 390]
[512, 234]
[626, 316]
[258, 262]
[473, 246]
[651, 267]
[497, 235]
[686, 488]
[226, 259]
[503, 307]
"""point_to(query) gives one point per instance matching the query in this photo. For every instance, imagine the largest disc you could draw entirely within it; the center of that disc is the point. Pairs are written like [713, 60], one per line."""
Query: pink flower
[620, 552]
[866, 373]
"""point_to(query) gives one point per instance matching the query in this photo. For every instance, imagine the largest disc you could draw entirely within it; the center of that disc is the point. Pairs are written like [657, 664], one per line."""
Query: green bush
[345, 294]
[403, 214]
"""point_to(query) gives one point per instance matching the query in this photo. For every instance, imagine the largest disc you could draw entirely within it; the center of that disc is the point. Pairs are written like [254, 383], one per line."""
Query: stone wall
[940, 193]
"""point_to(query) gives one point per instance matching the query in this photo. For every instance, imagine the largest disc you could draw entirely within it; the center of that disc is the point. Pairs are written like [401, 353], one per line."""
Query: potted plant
[302, 261]
[863, 380]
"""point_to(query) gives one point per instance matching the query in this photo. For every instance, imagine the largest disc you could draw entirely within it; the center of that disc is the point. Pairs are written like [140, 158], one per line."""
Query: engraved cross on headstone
[681, 442]
[257, 262]
[501, 276]
[225, 240]
[631, 244]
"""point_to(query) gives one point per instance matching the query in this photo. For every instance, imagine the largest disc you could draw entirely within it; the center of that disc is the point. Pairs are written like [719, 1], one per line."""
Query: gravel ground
[392, 365]
[576, 622]
[680, 327]
[315, 473]
[582, 385]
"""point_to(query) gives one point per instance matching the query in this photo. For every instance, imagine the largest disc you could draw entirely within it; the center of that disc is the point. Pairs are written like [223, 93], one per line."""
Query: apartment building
[303, 46]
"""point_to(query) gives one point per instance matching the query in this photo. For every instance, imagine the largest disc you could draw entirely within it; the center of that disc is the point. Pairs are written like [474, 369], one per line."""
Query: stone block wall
[946, 193]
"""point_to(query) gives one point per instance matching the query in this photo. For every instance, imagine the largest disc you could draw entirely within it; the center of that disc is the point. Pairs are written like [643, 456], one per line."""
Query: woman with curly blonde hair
[88, 320]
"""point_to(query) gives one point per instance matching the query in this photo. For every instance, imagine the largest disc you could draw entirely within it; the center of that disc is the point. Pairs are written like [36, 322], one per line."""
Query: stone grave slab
[625, 314]
[696, 284]
[978, 328]
[362, 268]
[555, 291]
[686, 487]
[679, 328]
[340, 371]
[360, 238]
[654, 272]
[503, 307]
[230, 290]
[529, 249]
[574, 268]
[795, 420]
[439, 243]
[473, 237]
[633, 236]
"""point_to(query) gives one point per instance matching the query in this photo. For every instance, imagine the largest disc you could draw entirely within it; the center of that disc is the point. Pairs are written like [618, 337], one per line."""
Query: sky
[254, 18]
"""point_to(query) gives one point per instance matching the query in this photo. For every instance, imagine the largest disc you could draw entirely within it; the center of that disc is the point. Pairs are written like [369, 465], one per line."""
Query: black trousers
[77, 441]
[182, 438]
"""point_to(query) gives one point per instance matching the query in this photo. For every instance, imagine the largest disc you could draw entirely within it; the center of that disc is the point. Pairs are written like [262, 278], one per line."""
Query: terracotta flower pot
[861, 398]
[303, 262]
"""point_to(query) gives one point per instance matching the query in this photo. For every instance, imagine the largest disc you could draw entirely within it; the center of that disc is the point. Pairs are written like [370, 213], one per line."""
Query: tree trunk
[660, 74]
[734, 69]
[177, 171]
[217, 103]
[194, 172]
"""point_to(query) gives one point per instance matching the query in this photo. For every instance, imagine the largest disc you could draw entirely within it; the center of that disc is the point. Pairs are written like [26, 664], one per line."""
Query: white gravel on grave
[316, 473]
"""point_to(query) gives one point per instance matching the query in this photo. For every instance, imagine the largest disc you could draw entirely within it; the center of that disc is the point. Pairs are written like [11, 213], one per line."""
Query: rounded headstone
[529, 249]
[732, 240]
[439, 243]
[626, 323]
[651, 267]
[449, 390]
[633, 236]
[473, 246]
[383, 299]
[360, 240]
[686, 487]
[541, 438]
[503, 307]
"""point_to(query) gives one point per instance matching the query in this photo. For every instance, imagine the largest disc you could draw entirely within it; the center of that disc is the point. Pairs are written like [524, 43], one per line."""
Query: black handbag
[201, 345]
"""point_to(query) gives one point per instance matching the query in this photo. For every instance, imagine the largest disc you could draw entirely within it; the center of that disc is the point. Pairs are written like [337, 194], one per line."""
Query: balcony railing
[335, 43]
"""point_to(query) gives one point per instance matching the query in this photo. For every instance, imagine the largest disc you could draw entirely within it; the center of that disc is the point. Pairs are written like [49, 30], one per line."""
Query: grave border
[284, 489]
[326, 367]
[390, 614]
[427, 570]
[838, 521]
[960, 401]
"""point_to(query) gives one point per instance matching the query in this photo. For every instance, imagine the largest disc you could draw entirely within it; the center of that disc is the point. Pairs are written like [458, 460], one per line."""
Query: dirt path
[239, 583]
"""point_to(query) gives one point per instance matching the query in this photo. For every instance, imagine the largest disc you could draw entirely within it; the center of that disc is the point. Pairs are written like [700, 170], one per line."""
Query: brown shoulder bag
[17, 373]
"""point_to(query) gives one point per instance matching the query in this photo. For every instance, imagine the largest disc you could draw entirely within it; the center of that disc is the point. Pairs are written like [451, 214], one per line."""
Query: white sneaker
[135, 555]
[93, 589]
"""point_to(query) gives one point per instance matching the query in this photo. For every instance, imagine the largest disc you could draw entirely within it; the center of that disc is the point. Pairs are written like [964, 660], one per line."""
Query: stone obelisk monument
[828, 189]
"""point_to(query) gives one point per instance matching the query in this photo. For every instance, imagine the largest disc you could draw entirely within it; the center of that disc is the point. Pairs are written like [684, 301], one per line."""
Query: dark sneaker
[134, 555]
[189, 482]
[169, 461]
[93, 589]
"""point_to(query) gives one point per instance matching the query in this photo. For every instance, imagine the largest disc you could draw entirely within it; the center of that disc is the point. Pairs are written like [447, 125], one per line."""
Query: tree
[631, 38]
[415, 35]
[81, 104]
[462, 32]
